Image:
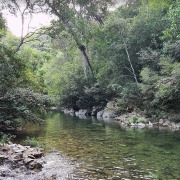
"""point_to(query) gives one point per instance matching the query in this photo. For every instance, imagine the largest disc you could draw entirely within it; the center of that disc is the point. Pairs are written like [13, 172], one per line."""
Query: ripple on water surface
[109, 151]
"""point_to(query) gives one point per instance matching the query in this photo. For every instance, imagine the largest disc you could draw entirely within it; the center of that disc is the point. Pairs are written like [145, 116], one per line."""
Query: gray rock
[173, 125]
[178, 126]
[83, 112]
[110, 114]
[150, 124]
[31, 156]
[27, 161]
[35, 165]
[100, 113]
[53, 108]
[37, 154]
[4, 171]
[141, 125]
[132, 124]
[166, 123]
[95, 110]
[155, 124]
[69, 111]
[161, 121]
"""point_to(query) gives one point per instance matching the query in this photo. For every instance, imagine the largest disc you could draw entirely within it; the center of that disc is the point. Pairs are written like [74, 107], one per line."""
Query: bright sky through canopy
[14, 23]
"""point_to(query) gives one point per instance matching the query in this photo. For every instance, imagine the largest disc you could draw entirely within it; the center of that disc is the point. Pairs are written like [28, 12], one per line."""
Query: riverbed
[105, 150]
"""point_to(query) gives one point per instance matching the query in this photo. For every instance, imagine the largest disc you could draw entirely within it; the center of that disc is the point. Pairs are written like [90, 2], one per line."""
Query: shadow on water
[109, 150]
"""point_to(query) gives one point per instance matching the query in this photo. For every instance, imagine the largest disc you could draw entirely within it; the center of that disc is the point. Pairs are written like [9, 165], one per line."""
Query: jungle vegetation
[89, 55]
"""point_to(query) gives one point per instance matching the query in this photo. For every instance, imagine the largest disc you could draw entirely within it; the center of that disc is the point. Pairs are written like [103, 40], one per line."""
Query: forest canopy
[90, 55]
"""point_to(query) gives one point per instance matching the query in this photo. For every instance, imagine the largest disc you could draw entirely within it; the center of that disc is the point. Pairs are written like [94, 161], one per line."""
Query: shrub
[176, 119]
[6, 138]
[135, 119]
[32, 142]
[143, 120]
[129, 120]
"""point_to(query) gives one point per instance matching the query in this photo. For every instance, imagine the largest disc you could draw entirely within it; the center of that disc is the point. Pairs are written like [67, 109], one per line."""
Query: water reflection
[109, 150]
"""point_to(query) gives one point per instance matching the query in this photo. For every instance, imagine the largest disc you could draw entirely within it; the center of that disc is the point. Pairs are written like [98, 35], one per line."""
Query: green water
[109, 151]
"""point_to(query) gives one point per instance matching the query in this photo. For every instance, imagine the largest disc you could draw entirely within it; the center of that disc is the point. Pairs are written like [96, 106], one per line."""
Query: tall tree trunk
[86, 60]
[81, 47]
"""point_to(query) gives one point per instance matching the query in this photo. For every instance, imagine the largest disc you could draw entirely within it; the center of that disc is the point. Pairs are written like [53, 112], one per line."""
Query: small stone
[27, 161]
[31, 156]
[37, 154]
[161, 121]
[23, 168]
[35, 165]
[15, 157]
[150, 124]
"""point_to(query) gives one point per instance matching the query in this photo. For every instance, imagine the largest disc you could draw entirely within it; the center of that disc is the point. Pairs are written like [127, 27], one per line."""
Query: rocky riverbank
[19, 162]
[135, 119]
[129, 119]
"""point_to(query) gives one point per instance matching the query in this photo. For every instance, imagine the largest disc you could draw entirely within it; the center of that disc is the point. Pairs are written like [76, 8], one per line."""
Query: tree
[75, 20]
[173, 31]
[25, 9]
[17, 87]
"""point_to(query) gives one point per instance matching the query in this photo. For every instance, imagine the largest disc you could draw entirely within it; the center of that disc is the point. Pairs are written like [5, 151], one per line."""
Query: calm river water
[109, 151]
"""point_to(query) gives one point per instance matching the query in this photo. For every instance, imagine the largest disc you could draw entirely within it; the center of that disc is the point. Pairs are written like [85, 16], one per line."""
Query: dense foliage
[91, 55]
[134, 55]
[19, 86]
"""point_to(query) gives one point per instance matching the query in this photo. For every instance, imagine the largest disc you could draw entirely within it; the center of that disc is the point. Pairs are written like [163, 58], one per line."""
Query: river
[108, 150]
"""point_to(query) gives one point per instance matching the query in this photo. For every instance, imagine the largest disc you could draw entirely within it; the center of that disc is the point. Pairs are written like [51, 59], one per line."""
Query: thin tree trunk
[19, 45]
[133, 72]
[84, 66]
[22, 28]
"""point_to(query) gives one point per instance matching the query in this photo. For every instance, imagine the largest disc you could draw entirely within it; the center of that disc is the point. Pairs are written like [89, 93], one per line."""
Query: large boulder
[100, 114]
[83, 112]
[95, 110]
[110, 114]
[69, 111]
[141, 125]
[166, 123]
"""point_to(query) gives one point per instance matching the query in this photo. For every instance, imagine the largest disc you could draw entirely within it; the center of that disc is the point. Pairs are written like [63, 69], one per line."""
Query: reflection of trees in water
[137, 151]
